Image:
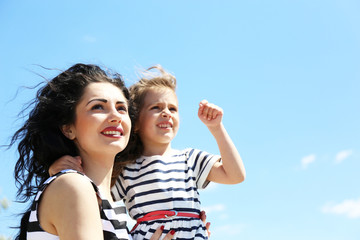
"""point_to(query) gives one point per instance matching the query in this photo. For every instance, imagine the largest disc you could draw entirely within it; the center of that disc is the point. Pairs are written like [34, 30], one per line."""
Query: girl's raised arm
[231, 169]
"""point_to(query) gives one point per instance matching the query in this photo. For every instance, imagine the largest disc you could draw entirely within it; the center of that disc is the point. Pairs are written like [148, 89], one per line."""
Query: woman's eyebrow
[104, 101]
[122, 103]
[97, 99]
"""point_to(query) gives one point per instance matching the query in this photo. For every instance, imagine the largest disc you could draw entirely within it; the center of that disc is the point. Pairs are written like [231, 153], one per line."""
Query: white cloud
[211, 187]
[341, 156]
[305, 161]
[230, 230]
[214, 208]
[223, 216]
[350, 208]
[89, 39]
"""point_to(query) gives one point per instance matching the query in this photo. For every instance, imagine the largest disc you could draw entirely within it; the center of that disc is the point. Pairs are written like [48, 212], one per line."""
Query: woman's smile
[113, 132]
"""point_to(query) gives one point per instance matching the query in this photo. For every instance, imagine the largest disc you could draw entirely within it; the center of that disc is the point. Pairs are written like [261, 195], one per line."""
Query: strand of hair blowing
[41, 140]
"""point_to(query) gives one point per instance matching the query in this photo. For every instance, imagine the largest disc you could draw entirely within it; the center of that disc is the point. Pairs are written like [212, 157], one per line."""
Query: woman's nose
[116, 120]
[115, 117]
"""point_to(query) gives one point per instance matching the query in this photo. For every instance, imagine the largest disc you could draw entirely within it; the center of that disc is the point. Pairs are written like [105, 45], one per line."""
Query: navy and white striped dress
[113, 219]
[169, 182]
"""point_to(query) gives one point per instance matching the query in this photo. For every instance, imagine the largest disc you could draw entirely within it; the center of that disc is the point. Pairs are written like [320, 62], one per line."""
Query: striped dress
[171, 182]
[113, 219]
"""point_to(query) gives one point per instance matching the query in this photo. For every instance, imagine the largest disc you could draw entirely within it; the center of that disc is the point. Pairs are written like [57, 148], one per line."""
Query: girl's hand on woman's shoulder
[66, 162]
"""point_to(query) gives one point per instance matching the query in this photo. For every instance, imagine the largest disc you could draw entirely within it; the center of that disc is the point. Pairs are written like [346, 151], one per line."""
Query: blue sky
[286, 73]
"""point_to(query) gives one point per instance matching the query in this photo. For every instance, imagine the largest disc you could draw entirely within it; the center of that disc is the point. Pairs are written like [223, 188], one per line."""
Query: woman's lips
[113, 132]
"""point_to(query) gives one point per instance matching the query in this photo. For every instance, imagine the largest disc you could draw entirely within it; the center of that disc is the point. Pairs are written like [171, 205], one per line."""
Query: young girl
[160, 188]
[82, 111]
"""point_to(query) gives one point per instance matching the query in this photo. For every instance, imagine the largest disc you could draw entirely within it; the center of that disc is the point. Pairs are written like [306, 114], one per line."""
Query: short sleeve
[201, 163]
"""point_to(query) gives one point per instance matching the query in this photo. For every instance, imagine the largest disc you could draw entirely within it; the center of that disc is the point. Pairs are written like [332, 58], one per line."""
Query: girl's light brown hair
[154, 77]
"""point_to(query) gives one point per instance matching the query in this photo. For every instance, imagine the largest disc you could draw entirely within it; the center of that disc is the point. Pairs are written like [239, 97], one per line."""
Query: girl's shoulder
[176, 152]
[190, 151]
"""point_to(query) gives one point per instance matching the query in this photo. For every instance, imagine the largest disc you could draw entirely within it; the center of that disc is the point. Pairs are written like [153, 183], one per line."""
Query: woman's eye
[97, 107]
[122, 109]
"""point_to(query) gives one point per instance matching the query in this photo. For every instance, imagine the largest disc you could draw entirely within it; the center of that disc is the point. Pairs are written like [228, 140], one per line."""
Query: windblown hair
[154, 77]
[41, 140]
[150, 80]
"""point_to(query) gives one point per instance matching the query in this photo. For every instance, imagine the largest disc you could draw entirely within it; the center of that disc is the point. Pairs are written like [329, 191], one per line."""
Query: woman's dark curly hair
[41, 141]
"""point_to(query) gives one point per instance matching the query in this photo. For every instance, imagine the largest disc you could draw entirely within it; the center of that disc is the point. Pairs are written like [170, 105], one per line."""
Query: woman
[81, 112]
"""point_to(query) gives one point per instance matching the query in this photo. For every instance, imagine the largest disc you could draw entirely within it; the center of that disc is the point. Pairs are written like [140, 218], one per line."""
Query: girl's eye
[173, 109]
[154, 107]
[97, 107]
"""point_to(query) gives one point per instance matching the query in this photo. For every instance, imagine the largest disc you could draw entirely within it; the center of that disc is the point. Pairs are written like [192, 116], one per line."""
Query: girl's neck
[157, 150]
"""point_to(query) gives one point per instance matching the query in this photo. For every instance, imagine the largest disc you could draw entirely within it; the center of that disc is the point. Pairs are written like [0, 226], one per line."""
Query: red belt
[163, 214]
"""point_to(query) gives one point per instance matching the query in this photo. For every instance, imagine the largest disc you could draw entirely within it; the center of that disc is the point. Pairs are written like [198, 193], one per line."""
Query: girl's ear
[136, 127]
[68, 131]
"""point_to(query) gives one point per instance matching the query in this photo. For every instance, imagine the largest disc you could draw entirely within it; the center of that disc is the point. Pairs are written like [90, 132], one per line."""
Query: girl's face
[158, 120]
[102, 124]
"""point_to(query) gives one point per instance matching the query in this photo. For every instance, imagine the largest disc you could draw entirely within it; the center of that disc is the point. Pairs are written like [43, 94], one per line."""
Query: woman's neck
[99, 170]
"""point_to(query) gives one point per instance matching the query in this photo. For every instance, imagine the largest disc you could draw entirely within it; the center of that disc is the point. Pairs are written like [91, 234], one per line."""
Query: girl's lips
[165, 125]
[113, 132]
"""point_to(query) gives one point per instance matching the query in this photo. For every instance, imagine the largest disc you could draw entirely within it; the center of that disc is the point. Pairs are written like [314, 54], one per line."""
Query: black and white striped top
[169, 182]
[113, 219]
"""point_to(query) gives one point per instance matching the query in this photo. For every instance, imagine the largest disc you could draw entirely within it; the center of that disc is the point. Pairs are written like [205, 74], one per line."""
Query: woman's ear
[68, 131]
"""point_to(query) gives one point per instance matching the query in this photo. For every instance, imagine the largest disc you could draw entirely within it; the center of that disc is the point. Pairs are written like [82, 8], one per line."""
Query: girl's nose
[166, 113]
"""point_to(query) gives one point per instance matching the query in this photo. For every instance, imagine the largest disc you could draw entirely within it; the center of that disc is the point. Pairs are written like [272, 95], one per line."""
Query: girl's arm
[66, 162]
[69, 208]
[231, 169]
